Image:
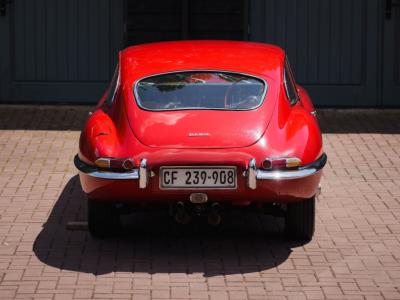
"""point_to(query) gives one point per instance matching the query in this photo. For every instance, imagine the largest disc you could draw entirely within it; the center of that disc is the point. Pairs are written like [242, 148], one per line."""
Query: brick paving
[355, 253]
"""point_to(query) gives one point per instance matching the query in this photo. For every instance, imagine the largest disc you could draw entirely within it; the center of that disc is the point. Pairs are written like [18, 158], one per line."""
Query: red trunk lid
[199, 128]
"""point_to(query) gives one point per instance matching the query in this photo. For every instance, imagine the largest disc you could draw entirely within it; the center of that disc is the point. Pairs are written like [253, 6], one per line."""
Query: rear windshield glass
[200, 90]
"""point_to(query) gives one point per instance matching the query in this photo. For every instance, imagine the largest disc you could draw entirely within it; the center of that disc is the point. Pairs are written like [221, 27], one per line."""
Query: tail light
[281, 163]
[114, 163]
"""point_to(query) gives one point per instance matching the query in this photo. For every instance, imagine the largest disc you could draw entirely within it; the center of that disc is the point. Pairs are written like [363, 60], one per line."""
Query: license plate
[198, 177]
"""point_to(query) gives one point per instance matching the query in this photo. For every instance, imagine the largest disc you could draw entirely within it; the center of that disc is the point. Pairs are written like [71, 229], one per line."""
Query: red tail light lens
[128, 164]
[267, 164]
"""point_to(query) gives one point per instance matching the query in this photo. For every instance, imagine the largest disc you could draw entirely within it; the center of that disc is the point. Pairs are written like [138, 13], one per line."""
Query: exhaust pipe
[181, 216]
[214, 218]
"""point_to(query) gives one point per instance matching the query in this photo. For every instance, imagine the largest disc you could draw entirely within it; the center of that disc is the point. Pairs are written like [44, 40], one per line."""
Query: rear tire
[103, 219]
[300, 219]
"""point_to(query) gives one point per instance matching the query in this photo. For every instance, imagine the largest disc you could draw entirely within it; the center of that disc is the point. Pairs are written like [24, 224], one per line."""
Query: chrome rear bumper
[141, 173]
[254, 174]
[96, 172]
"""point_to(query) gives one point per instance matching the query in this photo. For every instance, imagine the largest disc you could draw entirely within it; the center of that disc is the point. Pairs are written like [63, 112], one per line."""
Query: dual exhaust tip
[213, 212]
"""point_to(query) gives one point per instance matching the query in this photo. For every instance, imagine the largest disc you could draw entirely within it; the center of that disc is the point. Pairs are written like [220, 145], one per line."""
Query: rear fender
[293, 131]
[305, 99]
[98, 138]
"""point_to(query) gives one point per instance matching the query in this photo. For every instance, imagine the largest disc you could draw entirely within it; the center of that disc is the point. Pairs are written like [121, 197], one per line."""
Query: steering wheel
[228, 94]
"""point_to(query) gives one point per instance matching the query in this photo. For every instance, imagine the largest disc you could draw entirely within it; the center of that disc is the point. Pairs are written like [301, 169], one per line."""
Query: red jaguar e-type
[202, 126]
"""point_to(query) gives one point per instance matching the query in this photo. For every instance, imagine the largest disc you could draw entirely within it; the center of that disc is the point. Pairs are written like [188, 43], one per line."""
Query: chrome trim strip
[134, 174]
[252, 174]
[95, 172]
[263, 97]
[143, 174]
[301, 172]
[277, 175]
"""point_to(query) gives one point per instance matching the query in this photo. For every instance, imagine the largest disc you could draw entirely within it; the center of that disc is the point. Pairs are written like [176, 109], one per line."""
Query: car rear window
[200, 90]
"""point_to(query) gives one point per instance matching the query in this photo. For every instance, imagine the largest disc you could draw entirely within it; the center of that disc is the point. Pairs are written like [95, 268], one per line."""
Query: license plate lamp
[198, 198]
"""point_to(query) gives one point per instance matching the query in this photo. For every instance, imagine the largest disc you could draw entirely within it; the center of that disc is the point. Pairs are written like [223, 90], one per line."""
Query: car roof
[235, 56]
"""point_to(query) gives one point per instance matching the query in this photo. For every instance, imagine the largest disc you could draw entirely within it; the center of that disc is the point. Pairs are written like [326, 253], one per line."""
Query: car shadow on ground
[152, 242]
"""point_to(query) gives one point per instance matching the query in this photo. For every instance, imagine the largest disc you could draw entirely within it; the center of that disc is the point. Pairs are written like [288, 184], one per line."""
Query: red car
[200, 127]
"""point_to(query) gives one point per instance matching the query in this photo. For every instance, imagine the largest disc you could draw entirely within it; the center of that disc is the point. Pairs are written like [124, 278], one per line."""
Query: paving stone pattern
[355, 253]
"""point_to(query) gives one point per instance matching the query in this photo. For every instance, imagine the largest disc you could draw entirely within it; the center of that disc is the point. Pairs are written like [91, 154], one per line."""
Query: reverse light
[281, 163]
[114, 163]
[103, 163]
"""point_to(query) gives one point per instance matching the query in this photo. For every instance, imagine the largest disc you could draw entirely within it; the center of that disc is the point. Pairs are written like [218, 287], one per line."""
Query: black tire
[103, 219]
[300, 219]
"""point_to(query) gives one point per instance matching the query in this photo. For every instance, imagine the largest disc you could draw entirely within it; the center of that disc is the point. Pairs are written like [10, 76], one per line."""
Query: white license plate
[197, 177]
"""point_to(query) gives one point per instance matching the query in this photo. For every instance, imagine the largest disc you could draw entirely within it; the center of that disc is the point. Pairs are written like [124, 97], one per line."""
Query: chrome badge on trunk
[198, 134]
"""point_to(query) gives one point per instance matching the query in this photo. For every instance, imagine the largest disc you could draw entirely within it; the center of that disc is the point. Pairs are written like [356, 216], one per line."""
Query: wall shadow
[72, 117]
[43, 117]
[384, 121]
[153, 243]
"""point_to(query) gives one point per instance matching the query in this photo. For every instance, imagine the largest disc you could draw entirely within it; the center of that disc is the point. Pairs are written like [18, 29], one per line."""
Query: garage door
[58, 51]
[346, 52]
[391, 54]
[162, 20]
[332, 44]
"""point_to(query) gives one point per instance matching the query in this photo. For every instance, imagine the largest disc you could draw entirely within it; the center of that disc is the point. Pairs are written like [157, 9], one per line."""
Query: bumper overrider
[252, 173]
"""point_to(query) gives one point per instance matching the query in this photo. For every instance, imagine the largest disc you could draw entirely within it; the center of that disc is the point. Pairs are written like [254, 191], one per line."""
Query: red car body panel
[274, 129]
[238, 129]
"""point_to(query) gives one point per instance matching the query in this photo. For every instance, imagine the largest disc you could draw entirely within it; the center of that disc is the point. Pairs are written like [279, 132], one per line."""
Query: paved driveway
[355, 253]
